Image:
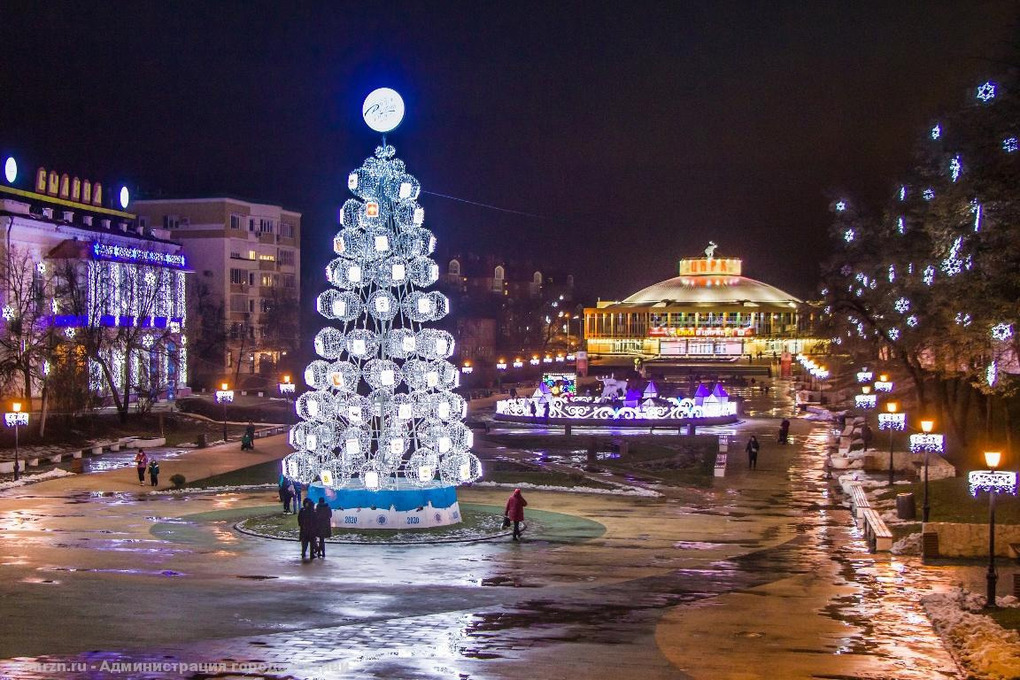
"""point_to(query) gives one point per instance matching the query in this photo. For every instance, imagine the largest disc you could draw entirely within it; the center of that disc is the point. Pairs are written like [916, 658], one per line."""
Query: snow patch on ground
[908, 545]
[621, 490]
[214, 489]
[985, 649]
[29, 479]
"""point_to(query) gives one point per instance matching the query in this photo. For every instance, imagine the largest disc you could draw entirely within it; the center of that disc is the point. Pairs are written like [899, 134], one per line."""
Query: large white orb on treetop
[11, 169]
[383, 109]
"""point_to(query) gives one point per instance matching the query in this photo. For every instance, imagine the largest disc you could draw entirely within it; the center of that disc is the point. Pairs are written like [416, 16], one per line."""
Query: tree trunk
[44, 408]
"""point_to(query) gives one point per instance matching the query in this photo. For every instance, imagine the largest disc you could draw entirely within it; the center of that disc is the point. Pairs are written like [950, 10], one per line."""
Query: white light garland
[992, 373]
[992, 481]
[381, 410]
[892, 421]
[921, 442]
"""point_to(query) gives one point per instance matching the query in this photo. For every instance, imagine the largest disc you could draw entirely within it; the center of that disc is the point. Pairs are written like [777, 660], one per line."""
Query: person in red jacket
[515, 511]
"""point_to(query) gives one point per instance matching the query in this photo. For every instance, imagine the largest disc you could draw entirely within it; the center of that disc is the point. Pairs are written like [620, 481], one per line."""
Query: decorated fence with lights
[381, 415]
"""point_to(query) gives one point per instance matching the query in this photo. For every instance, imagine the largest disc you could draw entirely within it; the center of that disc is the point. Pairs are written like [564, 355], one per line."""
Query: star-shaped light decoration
[892, 273]
[901, 225]
[955, 168]
[849, 235]
[929, 275]
[936, 131]
[986, 92]
[840, 206]
[912, 321]
[963, 319]
[928, 194]
[992, 373]
[902, 305]
[894, 334]
[1002, 331]
[1009, 145]
[903, 192]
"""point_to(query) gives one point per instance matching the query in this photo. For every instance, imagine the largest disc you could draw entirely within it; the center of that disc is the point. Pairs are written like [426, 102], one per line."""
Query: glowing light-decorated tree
[381, 414]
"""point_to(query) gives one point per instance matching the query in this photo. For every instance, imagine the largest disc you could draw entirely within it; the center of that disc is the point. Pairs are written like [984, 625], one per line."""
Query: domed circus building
[709, 311]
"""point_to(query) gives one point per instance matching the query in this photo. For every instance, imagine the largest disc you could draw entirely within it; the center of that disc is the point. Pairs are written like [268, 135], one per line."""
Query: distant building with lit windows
[708, 311]
[247, 262]
[90, 298]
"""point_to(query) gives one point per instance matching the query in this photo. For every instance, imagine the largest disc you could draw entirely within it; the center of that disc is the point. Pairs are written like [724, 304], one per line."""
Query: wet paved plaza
[760, 576]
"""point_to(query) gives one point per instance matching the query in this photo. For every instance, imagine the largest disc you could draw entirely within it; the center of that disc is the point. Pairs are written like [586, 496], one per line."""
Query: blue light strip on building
[103, 251]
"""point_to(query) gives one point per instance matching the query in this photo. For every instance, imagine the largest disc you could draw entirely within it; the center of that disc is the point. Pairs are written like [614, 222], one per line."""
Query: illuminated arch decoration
[381, 426]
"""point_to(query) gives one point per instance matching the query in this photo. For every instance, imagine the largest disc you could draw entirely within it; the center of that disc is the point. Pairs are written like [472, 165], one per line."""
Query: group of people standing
[144, 464]
[314, 527]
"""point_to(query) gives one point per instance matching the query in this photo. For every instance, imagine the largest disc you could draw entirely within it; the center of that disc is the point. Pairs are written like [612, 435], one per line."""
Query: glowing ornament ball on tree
[381, 436]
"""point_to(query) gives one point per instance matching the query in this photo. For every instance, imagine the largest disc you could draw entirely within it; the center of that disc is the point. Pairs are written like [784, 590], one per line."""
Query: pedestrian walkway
[760, 576]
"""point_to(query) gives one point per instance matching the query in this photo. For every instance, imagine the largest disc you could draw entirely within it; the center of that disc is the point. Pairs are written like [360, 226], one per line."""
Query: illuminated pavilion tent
[709, 310]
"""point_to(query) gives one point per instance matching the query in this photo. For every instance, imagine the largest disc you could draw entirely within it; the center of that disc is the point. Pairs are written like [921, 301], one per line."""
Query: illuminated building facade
[92, 303]
[708, 311]
[246, 287]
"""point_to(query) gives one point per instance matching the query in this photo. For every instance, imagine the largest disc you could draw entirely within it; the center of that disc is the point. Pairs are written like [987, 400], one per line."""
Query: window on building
[236, 221]
[238, 303]
[252, 255]
[288, 281]
[537, 278]
[266, 226]
[251, 278]
[251, 224]
[171, 221]
[287, 257]
[251, 305]
[267, 280]
[267, 258]
[238, 276]
[286, 230]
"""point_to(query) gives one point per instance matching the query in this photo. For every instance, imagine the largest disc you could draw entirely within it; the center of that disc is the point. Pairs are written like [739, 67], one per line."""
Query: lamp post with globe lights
[891, 420]
[224, 396]
[16, 418]
[994, 482]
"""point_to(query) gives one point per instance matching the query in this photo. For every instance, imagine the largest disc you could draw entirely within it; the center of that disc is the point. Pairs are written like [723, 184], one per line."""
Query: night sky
[617, 137]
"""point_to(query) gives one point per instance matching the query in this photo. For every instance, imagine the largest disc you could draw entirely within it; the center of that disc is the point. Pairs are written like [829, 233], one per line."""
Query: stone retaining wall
[971, 540]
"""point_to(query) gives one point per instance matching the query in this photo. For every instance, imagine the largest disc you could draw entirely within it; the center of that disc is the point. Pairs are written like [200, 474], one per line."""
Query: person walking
[306, 528]
[296, 488]
[286, 494]
[141, 464]
[784, 431]
[154, 472]
[248, 440]
[752, 453]
[323, 525]
[515, 512]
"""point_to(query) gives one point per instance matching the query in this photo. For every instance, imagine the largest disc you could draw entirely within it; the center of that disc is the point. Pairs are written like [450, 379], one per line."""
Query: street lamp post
[224, 396]
[891, 420]
[16, 418]
[926, 427]
[891, 408]
[993, 482]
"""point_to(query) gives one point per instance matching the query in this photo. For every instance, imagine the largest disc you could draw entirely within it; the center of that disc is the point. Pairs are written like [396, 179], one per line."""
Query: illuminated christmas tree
[381, 413]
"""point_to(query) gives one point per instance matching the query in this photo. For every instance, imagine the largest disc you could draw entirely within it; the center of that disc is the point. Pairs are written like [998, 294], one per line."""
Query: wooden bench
[858, 500]
[878, 535]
